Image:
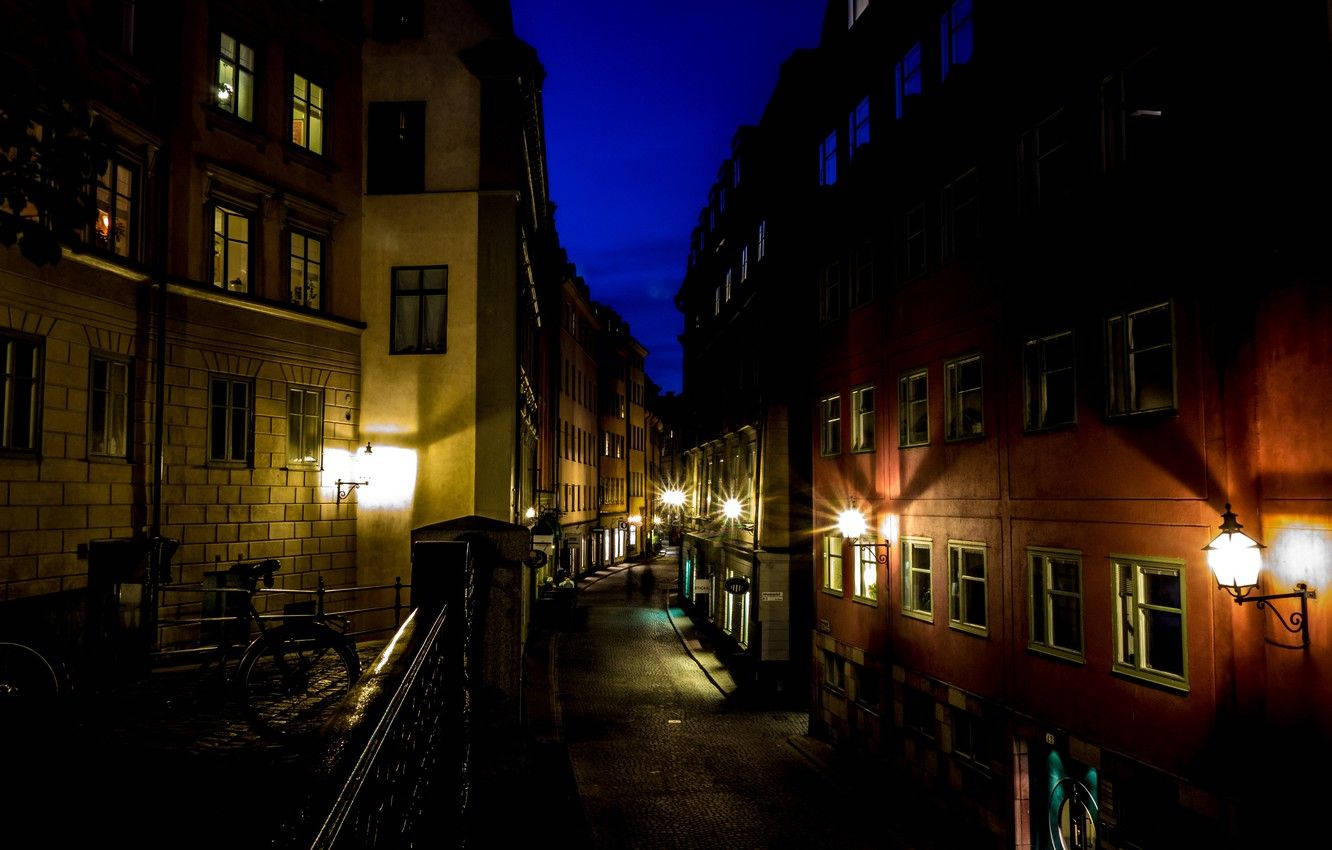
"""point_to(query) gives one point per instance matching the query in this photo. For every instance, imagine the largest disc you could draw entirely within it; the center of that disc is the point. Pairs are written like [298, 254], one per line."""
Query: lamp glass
[731, 508]
[674, 498]
[851, 523]
[1235, 559]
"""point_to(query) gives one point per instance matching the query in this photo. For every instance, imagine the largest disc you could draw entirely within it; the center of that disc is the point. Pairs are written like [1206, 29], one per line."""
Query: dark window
[115, 25]
[913, 409]
[1140, 361]
[231, 249]
[1050, 369]
[971, 740]
[398, 19]
[420, 309]
[961, 213]
[918, 711]
[306, 274]
[867, 686]
[114, 228]
[395, 162]
[834, 670]
[108, 407]
[830, 432]
[830, 292]
[305, 426]
[955, 36]
[913, 256]
[20, 393]
[231, 403]
[907, 79]
[235, 77]
[1045, 163]
[964, 415]
[862, 275]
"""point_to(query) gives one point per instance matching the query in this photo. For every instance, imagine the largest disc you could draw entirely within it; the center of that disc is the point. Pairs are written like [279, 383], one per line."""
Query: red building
[1064, 319]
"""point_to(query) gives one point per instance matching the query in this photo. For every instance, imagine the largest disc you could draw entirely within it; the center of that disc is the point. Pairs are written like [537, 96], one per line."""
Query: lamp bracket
[881, 550]
[1295, 622]
[345, 488]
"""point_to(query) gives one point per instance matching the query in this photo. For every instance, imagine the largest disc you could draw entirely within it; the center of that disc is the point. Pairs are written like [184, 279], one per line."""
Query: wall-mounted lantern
[852, 525]
[357, 476]
[1236, 560]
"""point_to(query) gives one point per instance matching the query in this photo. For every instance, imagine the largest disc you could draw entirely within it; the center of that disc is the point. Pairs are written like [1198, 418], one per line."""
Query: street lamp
[358, 475]
[1236, 560]
[851, 523]
[732, 508]
[673, 498]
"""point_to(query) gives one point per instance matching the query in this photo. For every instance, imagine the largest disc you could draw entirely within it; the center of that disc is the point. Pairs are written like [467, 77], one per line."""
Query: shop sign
[771, 596]
[737, 585]
[702, 585]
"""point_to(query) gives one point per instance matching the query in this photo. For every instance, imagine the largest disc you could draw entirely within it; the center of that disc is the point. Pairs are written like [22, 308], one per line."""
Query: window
[115, 229]
[906, 79]
[854, 9]
[20, 393]
[1140, 361]
[744, 263]
[1133, 103]
[1049, 368]
[962, 399]
[961, 212]
[728, 285]
[1044, 160]
[834, 670]
[762, 239]
[1055, 602]
[305, 426]
[716, 302]
[828, 160]
[306, 269]
[913, 408]
[913, 254]
[832, 563]
[971, 740]
[108, 407]
[830, 292]
[860, 126]
[231, 424]
[866, 575]
[867, 686]
[918, 711]
[862, 419]
[862, 275]
[235, 78]
[231, 249]
[420, 309]
[307, 114]
[916, 599]
[955, 36]
[398, 19]
[114, 20]
[395, 148]
[966, 587]
[830, 431]
[1150, 626]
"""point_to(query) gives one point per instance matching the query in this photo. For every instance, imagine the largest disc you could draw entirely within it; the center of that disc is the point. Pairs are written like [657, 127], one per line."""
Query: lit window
[235, 78]
[917, 600]
[854, 9]
[907, 79]
[832, 563]
[306, 262]
[866, 573]
[963, 415]
[1055, 602]
[862, 419]
[913, 409]
[828, 160]
[419, 310]
[305, 426]
[967, 609]
[913, 257]
[1140, 360]
[231, 421]
[108, 407]
[1150, 626]
[830, 432]
[231, 249]
[860, 126]
[307, 114]
[114, 228]
[955, 36]
[20, 392]
[1049, 368]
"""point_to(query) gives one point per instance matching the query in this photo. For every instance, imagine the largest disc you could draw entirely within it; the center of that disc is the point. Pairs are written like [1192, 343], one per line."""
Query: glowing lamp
[731, 508]
[635, 519]
[1236, 560]
[673, 498]
[224, 93]
[358, 478]
[530, 513]
[851, 523]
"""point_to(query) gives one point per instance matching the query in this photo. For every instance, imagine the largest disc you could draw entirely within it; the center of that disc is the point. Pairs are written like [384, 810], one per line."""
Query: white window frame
[1121, 378]
[1039, 561]
[744, 263]
[854, 9]
[1034, 359]
[830, 425]
[111, 401]
[728, 285]
[912, 575]
[834, 565]
[906, 438]
[957, 600]
[762, 239]
[866, 565]
[1127, 573]
[953, 398]
[862, 440]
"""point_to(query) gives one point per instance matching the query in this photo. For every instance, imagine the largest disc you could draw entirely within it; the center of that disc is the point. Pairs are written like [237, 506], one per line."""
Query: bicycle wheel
[292, 678]
[29, 684]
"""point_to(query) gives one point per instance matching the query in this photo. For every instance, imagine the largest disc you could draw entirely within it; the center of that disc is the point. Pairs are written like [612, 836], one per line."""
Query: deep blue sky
[641, 101]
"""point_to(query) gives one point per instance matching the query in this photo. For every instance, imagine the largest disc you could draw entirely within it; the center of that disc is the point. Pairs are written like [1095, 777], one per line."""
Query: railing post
[397, 601]
[319, 599]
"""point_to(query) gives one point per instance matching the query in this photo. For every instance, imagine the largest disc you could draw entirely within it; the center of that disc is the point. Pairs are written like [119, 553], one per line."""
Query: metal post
[397, 601]
[319, 599]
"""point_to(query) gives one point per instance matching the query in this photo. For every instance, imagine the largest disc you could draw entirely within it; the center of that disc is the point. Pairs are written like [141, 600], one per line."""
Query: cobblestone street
[662, 758]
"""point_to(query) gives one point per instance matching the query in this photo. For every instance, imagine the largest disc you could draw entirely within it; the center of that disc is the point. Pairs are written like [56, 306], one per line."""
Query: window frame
[858, 135]
[834, 552]
[1139, 669]
[950, 25]
[952, 398]
[1037, 345]
[1044, 644]
[1120, 365]
[422, 292]
[228, 460]
[240, 41]
[860, 276]
[308, 234]
[830, 426]
[854, 9]
[957, 600]
[324, 110]
[915, 243]
[865, 554]
[828, 159]
[389, 175]
[243, 211]
[908, 77]
[858, 415]
[909, 579]
[961, 228]
[116, 161]
[94, 357]
[306, 390]
[9, 336]
[830, 292]
[904, 403]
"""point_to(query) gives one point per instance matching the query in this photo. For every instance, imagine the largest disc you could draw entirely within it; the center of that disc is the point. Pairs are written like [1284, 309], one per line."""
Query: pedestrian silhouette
[629, 583]
[649, 582]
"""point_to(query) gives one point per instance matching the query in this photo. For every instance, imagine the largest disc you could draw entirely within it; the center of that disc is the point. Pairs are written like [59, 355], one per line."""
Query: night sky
[641, 101]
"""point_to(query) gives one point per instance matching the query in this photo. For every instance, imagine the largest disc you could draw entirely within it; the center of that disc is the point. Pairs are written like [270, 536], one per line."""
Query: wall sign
[771, 596]
[737, 585]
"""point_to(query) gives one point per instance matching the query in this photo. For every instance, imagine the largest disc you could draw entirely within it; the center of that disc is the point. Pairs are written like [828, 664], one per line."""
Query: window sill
[840, 594]
[1067, 656]
[967, 628]
[216, 119]
[227, 464]
[834, 689]
[913, 445]
[830, 454]
[21, 454]
[314, 161]
[1163, 681]
[1143, 415]
[966, 438]
[108, 459]
[923, 616]
[868, 451]
[865, 600]
[1050, 429]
